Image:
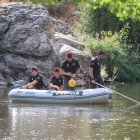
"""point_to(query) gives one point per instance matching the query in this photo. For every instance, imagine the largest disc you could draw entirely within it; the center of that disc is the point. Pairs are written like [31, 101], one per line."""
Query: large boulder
[29, 36]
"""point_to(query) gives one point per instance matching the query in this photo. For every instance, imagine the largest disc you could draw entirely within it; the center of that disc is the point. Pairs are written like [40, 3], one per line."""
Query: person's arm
[91, 75]
[74, 75]
[30, 85]
[77, 69]
[61, 87]
[65, 73]
[54, 86]
[91, 72]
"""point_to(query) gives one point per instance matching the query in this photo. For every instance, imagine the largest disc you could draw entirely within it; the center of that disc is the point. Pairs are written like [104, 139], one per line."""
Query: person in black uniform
[56, 81]
[69, 69]
[95, 70]
[35, 80]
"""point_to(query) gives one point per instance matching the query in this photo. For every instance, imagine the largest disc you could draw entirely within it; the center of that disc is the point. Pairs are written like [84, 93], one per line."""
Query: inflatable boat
[17, 84]
[85, 96]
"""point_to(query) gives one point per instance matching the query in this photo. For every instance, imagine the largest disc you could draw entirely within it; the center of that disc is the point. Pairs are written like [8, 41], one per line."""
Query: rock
[30, 36]
[4, 24]
[1, 79]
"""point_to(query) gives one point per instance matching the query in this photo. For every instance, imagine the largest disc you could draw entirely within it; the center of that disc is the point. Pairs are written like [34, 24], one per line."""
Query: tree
[124, 9]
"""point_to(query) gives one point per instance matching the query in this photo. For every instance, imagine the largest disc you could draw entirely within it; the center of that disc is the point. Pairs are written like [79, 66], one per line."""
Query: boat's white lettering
[78, 93]
[30, 93]
[19, 92]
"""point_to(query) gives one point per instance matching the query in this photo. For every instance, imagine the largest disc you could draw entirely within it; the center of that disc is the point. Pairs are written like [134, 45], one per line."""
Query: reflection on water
[69, 122]
[56, 122]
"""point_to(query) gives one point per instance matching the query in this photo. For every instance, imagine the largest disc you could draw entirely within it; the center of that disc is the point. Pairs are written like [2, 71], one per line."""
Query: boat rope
[132, 107]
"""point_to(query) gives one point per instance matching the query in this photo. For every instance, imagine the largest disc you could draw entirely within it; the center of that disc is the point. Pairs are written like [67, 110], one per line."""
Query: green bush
[94, 21]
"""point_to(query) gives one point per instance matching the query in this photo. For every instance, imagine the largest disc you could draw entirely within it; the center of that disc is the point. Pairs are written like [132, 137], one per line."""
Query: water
[119, 120]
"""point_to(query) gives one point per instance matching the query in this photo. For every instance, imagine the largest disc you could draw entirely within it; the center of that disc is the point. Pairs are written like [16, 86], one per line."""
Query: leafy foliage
[124, 9]
[95, 21]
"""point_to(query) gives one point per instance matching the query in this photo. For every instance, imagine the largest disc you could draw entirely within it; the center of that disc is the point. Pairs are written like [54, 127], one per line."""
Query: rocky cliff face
[29, 36]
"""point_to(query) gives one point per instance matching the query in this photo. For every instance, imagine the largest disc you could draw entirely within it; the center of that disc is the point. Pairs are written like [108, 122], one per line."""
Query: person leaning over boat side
[69, 68]
[35, 80]
[56, 81]
[95, 70]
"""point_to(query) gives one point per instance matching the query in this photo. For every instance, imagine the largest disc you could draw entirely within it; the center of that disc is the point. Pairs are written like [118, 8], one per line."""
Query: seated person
[56, 81]
[35, 80]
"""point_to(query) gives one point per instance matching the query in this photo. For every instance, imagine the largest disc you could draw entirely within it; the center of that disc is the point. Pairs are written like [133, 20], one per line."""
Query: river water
[118, 120]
